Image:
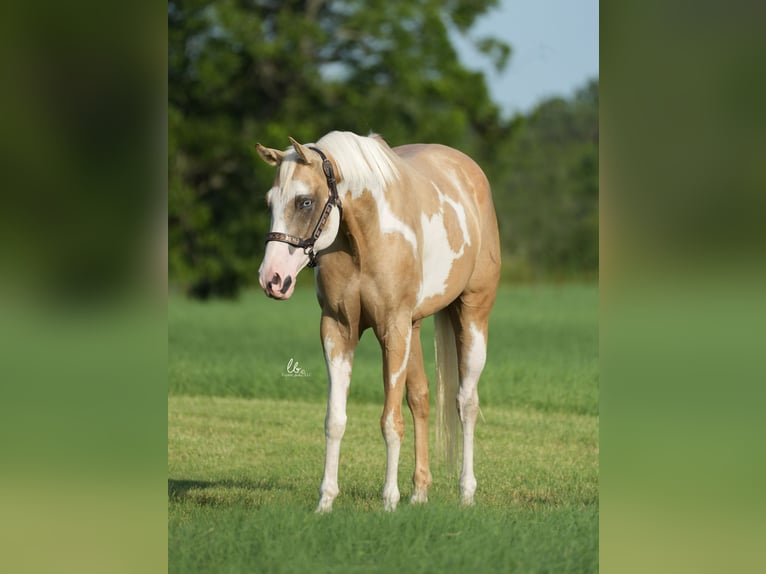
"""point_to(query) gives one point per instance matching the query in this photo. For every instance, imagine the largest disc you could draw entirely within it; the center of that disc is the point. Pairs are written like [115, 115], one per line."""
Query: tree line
[263, 70]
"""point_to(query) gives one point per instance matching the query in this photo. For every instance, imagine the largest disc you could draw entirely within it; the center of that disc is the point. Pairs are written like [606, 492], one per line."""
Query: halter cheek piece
[307, 244]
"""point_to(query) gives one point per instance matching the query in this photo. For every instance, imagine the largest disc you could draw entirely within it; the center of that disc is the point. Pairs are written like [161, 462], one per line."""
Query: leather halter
[307, 244]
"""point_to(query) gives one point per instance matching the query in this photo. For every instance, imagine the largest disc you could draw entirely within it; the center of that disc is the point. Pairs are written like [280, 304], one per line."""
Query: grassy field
[246, 446]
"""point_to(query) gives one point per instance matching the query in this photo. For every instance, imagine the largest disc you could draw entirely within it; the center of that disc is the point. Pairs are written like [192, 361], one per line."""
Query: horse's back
[456, 174]
[450, 168]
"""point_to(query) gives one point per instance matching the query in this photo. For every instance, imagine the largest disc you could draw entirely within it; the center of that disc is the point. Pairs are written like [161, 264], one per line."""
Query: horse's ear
[270, 156]
[301, 150]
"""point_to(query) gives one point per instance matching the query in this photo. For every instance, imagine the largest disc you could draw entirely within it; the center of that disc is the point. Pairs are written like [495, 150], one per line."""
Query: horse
[394, 235]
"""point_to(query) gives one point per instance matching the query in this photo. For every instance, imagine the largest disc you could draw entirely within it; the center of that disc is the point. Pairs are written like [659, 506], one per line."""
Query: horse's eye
[305, 203]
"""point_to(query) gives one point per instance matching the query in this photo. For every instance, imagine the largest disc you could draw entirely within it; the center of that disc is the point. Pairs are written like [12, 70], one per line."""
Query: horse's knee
[467, 404]
[335, 426]
[417, 399]
[392, 426]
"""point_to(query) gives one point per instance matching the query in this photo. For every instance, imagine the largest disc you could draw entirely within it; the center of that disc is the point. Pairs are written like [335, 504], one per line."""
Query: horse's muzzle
[277, 287]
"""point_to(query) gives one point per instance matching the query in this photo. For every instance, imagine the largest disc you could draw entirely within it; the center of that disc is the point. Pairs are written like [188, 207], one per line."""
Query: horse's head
[305, 215]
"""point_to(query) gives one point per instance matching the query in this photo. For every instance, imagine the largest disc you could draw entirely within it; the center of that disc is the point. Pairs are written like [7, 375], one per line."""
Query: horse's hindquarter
[458, 227]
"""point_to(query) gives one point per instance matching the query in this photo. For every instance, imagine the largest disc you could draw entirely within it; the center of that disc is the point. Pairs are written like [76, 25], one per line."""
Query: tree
[546, 192]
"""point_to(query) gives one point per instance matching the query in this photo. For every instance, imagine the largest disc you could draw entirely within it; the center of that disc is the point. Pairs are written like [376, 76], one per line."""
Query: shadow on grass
[215, 492]
[254, 493]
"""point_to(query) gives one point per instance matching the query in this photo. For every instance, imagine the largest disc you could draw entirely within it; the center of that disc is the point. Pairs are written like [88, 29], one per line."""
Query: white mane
[363, 162]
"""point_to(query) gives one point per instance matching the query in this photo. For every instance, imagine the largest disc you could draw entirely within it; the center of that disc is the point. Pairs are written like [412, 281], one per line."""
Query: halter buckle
[309, 250]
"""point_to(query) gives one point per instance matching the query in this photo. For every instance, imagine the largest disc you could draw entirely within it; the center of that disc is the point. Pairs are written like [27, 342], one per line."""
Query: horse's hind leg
[417, 399]
[470, 316]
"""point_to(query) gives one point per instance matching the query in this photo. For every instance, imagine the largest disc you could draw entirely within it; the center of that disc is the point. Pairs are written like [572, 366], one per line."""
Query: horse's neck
[353, 237]
[358, 234]
[338, 271]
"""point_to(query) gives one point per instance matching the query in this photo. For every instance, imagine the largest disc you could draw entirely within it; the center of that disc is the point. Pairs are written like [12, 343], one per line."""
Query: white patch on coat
[468, 199]
[477, 354]
[339, 374]
[390, 429]
[459, 212]
[393, 446]
[338, 365]
[438, 256]
[468, 407]
[390, 223]
[280, 199]
[278, 257]
[405, 359]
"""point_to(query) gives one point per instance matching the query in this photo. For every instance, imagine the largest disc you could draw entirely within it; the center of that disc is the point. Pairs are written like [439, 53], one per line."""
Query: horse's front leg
[338, 342]
[395, 342]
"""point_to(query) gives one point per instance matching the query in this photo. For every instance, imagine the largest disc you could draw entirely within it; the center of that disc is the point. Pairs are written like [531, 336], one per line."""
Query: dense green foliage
[241, 72]
[545, 185]
[246, 446]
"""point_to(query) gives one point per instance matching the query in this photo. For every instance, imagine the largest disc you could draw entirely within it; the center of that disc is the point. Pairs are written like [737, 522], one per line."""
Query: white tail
[446, 388]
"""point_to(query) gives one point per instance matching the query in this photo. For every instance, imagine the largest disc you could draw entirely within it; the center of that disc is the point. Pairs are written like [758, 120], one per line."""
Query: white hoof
[467, 490]
[420, 496]
[390, 500]
[325, 505]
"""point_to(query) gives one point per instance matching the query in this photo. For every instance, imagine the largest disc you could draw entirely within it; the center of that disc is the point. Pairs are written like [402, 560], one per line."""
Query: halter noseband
[308, 244]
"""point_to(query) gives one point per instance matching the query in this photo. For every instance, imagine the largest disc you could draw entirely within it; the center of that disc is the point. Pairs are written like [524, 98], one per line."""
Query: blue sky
[554, 47]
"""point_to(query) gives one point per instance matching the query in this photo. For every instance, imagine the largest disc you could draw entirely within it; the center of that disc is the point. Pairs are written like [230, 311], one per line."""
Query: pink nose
[277, 287]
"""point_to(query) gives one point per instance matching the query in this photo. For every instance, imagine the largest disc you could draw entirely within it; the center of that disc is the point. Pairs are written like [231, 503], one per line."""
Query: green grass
[246, 446]
[543, 346]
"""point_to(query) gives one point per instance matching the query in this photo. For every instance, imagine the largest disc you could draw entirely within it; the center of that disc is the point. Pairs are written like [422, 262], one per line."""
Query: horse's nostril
[276, 280]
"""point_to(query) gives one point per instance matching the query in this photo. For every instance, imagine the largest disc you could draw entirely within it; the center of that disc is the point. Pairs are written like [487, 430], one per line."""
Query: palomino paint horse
[395, 235]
